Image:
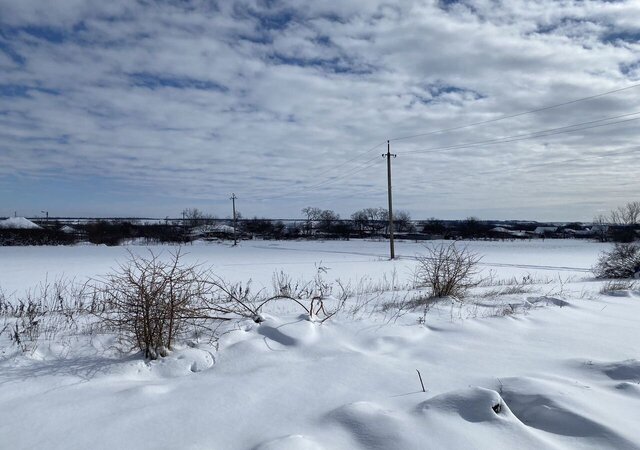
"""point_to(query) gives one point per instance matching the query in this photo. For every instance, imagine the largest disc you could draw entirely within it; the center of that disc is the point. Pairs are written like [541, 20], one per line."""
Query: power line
[352, 159]
[615, 152]
[507, 139]
[541, 133]
[367, 164]
[338, 167]
[532, 111]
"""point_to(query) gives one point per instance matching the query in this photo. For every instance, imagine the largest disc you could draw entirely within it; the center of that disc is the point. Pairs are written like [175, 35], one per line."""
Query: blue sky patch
[613, 37]
[151, 81]
[334, 65]
[16, 90]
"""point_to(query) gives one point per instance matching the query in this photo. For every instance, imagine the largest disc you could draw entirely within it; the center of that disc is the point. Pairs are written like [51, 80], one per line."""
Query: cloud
[175, 104]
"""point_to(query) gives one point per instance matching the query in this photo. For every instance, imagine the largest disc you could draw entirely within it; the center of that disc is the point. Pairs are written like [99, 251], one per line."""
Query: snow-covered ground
[550, 363]
[19, 223]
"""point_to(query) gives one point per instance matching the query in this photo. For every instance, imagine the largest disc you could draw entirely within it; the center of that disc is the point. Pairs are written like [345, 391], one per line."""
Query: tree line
[620, 225]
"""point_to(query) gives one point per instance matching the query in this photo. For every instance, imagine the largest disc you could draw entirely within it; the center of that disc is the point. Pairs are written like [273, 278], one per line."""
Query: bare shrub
[616, 287]
[43, 312]
[448, 271]
[623, 261]
[311, 295]
[149, 301]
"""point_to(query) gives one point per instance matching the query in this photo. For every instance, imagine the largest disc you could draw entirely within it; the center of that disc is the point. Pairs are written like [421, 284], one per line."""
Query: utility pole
[235, 236]
[388, 155]
[47, 217]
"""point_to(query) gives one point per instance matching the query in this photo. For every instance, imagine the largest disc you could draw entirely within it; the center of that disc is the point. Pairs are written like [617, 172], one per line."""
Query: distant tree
[278, 229]
[262, 227]
[433, 226]
[624, 220]
[312, 214]
[342, 229]
[109, 232]
[628, 214]
[327, 218]
[194, 217]
[371, 220]
[471, 227]
[402, 221]
[360, 221]
[293, 231]
[600, 227]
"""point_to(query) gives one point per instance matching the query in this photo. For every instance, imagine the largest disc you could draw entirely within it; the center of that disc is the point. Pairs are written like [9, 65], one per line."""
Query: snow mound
[548, 301]
[292, 442]
[181, 362]
[629, 388]
[473, 405]
[450, 420]
[555, 407]
[289, 334]
[372, 426]
[18, 223]
[628, 370]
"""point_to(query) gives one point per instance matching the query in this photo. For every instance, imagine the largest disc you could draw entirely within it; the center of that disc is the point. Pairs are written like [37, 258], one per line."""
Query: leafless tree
[194, 217]
[371, 219]
[628, 214]
[327, 218]
[601, 227]
[312, 214]
[402, 221]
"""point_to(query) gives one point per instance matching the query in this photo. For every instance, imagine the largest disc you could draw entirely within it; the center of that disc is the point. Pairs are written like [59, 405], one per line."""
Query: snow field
[551, 364]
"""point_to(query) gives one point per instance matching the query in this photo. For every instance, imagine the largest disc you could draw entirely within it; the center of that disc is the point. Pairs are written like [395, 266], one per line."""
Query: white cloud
[194, 102]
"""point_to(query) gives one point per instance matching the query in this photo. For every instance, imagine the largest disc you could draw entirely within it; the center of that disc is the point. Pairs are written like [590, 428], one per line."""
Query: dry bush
[615, 287]
[43, 312]
[448, 271]
[311, 295]
[623, 261]
[149, 301]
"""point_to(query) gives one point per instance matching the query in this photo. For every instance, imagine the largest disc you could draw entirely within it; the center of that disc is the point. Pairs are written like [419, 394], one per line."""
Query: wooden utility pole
[388, 155]
[235, 236]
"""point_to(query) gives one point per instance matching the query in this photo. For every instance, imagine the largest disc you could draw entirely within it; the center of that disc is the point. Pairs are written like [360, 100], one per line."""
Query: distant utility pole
[388, 155]
[235, 236]
[47, 217]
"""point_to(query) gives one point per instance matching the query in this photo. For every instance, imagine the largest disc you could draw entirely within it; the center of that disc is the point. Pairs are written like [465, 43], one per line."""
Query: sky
[145, 108]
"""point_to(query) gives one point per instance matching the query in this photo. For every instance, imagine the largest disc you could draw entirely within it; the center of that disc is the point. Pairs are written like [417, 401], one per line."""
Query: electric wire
[532, 111]
[532, 135]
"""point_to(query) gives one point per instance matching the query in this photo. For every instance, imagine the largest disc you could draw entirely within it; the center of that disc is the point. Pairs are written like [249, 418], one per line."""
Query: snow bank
[18, 223]
[562, 374]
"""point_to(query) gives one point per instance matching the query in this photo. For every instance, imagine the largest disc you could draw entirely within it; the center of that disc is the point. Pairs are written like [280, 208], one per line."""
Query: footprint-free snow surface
[552, 363]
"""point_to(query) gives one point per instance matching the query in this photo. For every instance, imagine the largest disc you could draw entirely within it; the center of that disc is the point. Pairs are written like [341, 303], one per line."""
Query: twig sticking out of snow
[421, 383]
